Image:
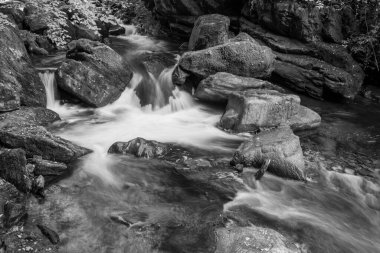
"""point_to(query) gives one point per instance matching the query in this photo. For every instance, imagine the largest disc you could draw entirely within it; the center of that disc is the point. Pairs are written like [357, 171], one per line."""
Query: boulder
[242, 58]
[18, 79]
[257, 109]
[280, 146]
[49, 234]
[14, 213]
[93, 73]
[13, 169]
[217, 88]
[140, 147]
[23, 129]
[116, 30]
[209, 31]
[31, 43]
[305, 119]
[316, 69]
[253, 240]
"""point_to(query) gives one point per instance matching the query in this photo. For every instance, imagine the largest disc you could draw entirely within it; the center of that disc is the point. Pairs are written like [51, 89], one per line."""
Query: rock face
[217, 88]
[13, 168]
[281, 146]
[48, 169]
[305, 119]
[24, 130]
[242, 58]
[93, 73]
[140, 148]
[252, 239]
[209, 31]
[251, 110]
[19, 82]
[318, 69]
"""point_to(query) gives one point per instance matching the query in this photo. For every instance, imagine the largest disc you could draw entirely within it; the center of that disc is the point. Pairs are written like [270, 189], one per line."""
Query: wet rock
[209, 31]
[242, 58]
[305, 119]
[156, 62]
[49, 233]
[13, 168]
[280, 146]
[217, 88]
[19, 81]
[140, 147]
[14, 213]
[252, 110]
[36, 140]
[252, 239]
[32, 115]
[116, 30]
[93, 73]
[50, 170]
[31, 43]
[129, 218]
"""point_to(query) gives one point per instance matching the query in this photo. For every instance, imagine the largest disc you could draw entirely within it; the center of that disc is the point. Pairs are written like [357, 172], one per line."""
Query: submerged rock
[252, 110]
[14, 213]
[19, 81]
[140, 147]
[243, 58]
[50, 170]
[253, 240]
[280, 146]
[217, 88]
[49, 233]
[94, 73]
[209, 31]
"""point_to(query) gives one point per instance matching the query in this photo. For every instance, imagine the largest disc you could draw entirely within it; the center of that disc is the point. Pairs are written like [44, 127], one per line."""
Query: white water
[48, 79]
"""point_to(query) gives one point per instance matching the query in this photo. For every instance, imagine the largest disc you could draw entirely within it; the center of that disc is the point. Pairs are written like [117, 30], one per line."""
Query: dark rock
[217, 88]
[116, 30]
[30, 41]
[17, 76]
[93, 73]
[51, 171]
[49, 233]
[255, 109]
[140, 147]
[9, 98]
[13, 169]
[280, 146]
[156, 62]
[242, 58]
[82, 32]
[14, 12]
[14, 213]
[38, 22]
[209, 31]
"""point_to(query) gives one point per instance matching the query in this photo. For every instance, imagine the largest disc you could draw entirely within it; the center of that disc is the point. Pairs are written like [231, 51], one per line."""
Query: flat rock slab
[252, 110]
[217, 88]
[279, 145]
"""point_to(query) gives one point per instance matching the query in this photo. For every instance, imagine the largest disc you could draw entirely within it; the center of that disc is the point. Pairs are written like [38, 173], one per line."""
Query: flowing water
[178, 210]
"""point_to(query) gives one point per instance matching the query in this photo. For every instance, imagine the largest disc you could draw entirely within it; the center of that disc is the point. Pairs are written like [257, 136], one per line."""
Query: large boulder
[280, 146]
[94, 73]
[316, 69]
[140, 147]
[217, 88]
[305, 119]
[24, 130]
[209, 31]
[13, 168]
[258, 109]
[243, 58]
[19, 81]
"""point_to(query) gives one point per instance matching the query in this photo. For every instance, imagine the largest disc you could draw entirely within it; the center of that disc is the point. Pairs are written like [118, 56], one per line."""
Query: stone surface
[242, 58]
[217, 88]
[209, 31]
[19, 81]
[13, 169]
[23, 129]
[305, 119]
[252, 110]
[49, 233]
[140, 147]
[279, 145]
[51, 171]
[94, 73]
[14, 213]
[252, 240]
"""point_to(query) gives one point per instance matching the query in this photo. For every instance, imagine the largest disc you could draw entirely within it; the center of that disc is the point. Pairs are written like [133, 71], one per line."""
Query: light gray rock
[305, 119]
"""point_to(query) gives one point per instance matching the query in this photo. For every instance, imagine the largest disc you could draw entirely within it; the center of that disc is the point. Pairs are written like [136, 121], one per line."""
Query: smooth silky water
[333, 212]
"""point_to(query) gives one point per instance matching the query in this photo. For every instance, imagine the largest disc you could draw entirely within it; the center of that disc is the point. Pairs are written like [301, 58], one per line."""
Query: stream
[122, 204]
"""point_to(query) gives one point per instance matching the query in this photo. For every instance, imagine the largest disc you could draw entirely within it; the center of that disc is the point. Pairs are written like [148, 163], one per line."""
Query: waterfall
[48, 79]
